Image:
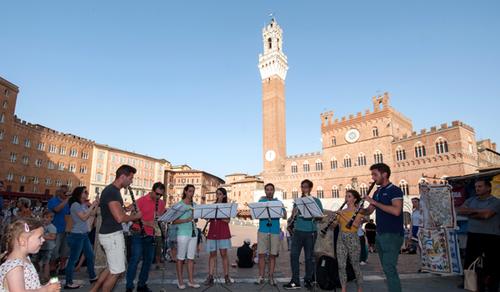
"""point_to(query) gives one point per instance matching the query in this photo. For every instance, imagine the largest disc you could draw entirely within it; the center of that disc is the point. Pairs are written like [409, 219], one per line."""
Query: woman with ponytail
[17, 273]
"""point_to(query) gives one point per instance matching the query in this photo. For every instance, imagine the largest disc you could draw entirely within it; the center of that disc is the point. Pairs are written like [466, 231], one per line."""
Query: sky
[179, 79]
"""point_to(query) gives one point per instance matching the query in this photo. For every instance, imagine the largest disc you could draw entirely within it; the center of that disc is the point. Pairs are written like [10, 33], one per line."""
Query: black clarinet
[156, 219]
[332, 220]
[358, 209]
[136, 210]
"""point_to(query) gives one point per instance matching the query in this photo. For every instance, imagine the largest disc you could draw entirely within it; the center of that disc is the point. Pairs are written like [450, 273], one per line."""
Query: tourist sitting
[245, 255]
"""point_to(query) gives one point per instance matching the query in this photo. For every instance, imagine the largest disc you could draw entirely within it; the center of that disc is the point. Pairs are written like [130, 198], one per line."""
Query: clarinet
[204, 231]
[291, 224]
[358, 209]
[136, 210]
[332, 220]
[156, 219]
[193, 233]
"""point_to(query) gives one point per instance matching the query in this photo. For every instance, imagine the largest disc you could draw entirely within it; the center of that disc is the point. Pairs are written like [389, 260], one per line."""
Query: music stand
[216, 211]
[308, 208]
[267, 210]
[173, 213]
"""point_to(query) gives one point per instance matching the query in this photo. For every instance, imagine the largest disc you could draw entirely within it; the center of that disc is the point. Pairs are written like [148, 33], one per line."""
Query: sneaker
[72, 287]
[362, 263]
[144, 288]
[308, 285]
[209, 281]
[259, 281]
[181, 287]
[193, 285]
[291, 286]
[272, 281]
[228, 280]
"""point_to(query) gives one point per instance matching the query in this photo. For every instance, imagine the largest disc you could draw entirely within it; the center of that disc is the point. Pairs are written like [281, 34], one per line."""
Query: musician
[218, 239]
[268, 239]
[111, 232]
[187, 238]
[143, 245]
[348, 245]
[388, 203]
[304, 236]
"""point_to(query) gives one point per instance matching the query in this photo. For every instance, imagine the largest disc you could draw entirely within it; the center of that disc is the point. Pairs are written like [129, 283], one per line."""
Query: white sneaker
[362, 263]
[181, 287]
[194, 285]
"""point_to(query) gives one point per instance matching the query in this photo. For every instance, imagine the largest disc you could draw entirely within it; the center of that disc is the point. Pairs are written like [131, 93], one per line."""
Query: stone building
[351, 144]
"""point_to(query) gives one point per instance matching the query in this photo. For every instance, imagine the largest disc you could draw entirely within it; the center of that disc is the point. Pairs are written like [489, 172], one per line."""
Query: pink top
[147, 207]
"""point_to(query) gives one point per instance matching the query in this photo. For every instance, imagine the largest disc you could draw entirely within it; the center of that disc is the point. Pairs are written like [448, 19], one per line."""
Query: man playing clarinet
[388, 204]
[143, 245]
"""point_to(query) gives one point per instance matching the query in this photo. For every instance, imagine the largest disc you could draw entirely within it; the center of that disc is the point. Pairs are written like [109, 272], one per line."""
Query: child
[45, 253]
[17, 273]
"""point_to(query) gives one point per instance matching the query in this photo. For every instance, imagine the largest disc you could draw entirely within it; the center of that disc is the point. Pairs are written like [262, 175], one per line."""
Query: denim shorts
[214, 245]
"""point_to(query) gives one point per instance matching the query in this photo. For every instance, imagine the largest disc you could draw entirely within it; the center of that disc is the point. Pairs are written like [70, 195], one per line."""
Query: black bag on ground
[327, 273]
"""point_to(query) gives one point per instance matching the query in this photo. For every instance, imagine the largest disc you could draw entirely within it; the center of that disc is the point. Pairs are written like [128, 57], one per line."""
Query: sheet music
[208, 211]
[259, 210]
[173, 213]
[308, 208]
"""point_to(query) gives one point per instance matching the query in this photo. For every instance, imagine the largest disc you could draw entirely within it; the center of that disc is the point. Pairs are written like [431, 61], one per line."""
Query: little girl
[17, 273]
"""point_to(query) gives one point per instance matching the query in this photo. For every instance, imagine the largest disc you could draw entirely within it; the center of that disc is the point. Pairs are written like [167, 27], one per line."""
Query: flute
[358, 209]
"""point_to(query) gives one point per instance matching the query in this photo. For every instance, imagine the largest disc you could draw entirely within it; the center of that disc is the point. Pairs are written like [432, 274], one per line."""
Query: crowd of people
[43, 241]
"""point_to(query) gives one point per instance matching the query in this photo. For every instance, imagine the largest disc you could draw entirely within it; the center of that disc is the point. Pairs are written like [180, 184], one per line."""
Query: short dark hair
[269, 185]
[308, 182]
[158, 185]
[125, 170]
[416, 199]
[382, 167]
[486, 181]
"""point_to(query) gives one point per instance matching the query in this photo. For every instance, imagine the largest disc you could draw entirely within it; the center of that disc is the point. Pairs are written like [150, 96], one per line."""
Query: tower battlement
[434, 129]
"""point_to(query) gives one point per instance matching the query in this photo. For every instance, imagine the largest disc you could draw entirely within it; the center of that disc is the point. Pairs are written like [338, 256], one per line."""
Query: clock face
[352, 135]
[270, 155]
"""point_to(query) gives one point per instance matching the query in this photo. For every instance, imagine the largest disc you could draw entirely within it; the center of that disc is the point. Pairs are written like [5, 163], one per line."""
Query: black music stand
[267, 210]
[308, 208]
[216, 211]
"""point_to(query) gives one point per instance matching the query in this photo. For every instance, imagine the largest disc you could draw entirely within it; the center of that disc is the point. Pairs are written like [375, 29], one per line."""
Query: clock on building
[270, 155]
[352, 135]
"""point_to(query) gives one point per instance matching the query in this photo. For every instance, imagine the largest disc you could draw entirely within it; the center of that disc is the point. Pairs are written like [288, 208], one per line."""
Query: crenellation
[433, 129]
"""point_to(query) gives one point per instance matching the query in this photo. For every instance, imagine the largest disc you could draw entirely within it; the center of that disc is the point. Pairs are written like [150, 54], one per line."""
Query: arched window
[471, 147]
[294, 167]
[335, 192]
[419, 150]
[319, 192]
[333, 163]
[270, 43]
[378, 157]
[319, 165]
[400, 154]
[375, 132]
[347, 161]
[305, 166]
[363, 189]
[403, 185]
[441, 146]
[348, 187]
[295, 193]
[361, 159]
[334, 141]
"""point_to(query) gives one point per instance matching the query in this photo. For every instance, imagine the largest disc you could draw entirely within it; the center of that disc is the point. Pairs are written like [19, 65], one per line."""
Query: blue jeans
[79, 242]
[141, 247]
[306, 240]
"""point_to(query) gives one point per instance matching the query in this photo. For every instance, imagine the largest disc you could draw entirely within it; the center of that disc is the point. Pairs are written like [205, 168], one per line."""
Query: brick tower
[273, 67]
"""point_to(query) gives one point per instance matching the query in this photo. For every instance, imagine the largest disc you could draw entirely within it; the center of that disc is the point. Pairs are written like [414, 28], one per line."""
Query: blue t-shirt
[275, 222]
[388, 223]
[58, 220]
[307, 224]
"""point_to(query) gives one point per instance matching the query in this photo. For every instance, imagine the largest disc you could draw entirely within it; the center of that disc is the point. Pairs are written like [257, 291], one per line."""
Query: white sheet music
[308, 208]
[259, 210]
[173, 213]
[209, 211]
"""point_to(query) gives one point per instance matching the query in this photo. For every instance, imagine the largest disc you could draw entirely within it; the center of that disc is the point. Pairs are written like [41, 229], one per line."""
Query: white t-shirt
[416, 218]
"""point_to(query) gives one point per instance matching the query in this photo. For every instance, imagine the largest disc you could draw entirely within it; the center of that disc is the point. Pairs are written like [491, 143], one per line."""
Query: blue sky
[179, 80]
